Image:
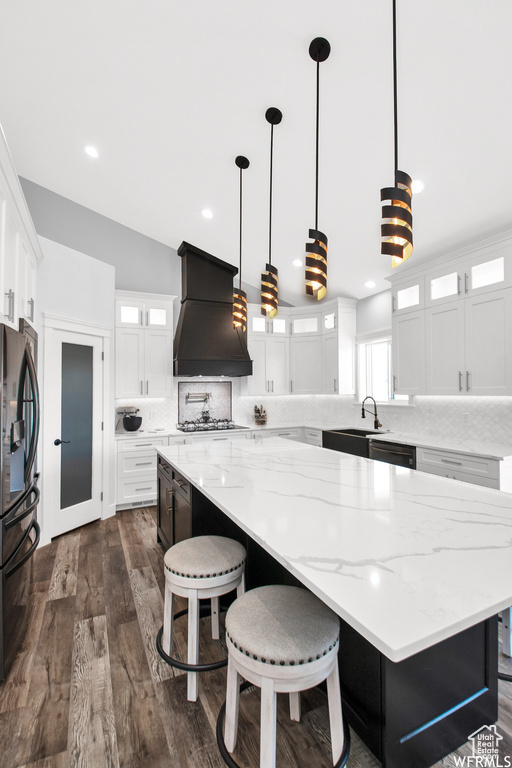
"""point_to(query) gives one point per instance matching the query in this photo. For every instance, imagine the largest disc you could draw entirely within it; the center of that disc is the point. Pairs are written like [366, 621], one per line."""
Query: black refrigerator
[19, 494]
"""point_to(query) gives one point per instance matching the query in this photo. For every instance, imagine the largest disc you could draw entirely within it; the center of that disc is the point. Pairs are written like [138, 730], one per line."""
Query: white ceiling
[171, 91]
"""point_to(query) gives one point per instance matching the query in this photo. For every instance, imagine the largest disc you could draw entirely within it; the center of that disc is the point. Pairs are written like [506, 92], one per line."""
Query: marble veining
[406, 558]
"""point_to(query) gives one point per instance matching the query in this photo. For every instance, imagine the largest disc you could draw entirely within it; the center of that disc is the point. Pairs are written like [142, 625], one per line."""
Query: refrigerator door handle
[17, 518]
[35, 412]
[14, 567]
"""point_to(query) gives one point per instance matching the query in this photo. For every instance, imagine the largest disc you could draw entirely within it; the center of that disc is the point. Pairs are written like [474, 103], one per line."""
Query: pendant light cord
[270, 202]
[240, 272]
[395, 90]
[317, 135]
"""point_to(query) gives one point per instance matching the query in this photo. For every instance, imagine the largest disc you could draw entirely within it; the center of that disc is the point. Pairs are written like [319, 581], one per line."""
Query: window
[375, 373]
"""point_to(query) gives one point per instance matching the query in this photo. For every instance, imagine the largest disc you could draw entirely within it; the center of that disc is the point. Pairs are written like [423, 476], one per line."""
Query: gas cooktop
[207, 426]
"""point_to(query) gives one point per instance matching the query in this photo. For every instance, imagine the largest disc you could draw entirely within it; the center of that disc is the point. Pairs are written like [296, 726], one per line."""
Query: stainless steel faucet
[364, 411]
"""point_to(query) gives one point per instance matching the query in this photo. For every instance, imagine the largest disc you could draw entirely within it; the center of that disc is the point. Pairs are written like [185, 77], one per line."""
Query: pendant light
[269, 278]
[239, 296]
[316, 252]
[396, 228]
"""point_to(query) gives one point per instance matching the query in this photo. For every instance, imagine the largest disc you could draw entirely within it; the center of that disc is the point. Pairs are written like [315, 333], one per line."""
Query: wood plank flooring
[88, 689]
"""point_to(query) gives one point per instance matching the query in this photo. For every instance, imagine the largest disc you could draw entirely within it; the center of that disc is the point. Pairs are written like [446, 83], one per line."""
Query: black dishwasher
[393, 453]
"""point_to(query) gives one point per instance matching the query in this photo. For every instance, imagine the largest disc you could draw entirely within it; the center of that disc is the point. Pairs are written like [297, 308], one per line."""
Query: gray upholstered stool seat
[200, 568]
[204, 557]
[284, 640]
[282, 625]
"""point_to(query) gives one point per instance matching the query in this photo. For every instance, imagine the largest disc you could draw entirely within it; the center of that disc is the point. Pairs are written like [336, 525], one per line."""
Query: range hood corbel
[206, 342]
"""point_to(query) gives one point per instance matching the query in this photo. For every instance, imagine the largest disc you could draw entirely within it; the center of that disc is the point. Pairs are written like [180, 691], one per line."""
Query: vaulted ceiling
[170, 92]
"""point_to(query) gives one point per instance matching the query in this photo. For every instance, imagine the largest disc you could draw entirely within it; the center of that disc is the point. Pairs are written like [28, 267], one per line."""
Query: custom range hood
[206, 342]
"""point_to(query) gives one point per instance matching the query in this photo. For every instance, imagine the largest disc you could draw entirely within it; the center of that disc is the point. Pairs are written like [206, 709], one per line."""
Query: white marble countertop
[477, 447]
[407, 559]
[455, 445]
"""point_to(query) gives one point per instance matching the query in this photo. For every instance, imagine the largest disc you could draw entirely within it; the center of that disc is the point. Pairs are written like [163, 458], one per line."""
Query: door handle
[59, 442]
[460, 381]
[467, 381]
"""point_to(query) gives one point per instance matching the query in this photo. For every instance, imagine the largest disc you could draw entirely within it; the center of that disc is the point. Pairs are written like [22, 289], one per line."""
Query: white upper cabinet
[306, 365]
[469, 346]
[408, 350]
[488, 332]
[471, 276]
[445, 346]
[408, 296]
[20, 251]
[144, 345]
[144, 311]
[302, 350]
[260, 325]
[467, 319]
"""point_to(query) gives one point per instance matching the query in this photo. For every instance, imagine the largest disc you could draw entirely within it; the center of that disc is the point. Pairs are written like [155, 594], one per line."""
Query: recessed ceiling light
[417, 186]
[297, 262]
[369, 284]
[91, 151]
[207, 213]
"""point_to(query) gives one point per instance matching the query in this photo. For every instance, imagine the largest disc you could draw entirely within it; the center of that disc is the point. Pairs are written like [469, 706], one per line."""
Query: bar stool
[284, 640]
[203, 567]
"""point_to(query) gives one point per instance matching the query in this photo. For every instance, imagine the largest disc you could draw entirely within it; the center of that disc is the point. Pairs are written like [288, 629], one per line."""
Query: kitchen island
[416, 566]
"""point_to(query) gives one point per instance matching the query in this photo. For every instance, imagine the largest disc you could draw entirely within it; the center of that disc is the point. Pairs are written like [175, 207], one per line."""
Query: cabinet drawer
[139, 443]
[465, 477]
[164, 466]
[227, 435]
[180, 485]
[313, 436]
[288, 434]
[140, 489]
[131, 465]
[478, 466]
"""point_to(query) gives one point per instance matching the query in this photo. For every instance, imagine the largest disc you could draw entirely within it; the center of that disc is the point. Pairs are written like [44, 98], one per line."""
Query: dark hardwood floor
[88, 688]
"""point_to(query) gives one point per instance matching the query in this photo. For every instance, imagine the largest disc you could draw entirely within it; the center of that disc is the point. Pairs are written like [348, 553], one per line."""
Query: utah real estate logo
[486, 750]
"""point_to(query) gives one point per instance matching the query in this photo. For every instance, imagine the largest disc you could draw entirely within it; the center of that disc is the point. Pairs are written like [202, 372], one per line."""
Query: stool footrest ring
[232, 764]
[204, 610]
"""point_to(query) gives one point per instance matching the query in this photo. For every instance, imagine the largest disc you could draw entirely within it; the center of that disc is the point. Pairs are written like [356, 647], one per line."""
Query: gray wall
[141, 264]
[373, 314]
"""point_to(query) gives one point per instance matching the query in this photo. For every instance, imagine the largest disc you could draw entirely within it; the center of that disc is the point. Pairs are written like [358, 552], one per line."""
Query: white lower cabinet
[469, 468]
[209, 437]
[136, 470]
[288, 433]
[312, 436]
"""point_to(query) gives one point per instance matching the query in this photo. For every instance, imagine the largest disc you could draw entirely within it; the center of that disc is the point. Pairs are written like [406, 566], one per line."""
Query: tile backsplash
[217, 399]
[484, 418]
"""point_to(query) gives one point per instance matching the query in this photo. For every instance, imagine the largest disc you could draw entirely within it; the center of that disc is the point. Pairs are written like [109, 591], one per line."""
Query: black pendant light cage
[396, 227]
[239, 296]
[316, 252]
[270, 277]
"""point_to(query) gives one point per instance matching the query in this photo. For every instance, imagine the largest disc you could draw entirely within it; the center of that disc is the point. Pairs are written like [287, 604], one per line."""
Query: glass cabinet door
[408, 297]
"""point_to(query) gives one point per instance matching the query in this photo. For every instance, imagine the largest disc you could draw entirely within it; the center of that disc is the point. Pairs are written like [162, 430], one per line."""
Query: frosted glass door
[76, 425]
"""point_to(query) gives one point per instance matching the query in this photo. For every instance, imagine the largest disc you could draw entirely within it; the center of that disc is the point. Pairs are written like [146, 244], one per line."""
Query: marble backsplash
[478, 418]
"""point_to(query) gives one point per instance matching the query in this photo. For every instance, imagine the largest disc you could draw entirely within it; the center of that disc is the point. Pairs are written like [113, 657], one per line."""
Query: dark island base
[411, 713]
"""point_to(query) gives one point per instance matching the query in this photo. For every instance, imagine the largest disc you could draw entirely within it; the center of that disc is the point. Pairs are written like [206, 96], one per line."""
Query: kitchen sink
[357, 432]
[354, 441]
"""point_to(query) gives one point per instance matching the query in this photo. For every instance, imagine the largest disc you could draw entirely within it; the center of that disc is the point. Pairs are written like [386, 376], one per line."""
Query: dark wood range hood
[206, 342]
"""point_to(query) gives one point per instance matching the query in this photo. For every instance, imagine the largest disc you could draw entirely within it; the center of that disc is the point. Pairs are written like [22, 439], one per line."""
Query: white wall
[75, 286]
